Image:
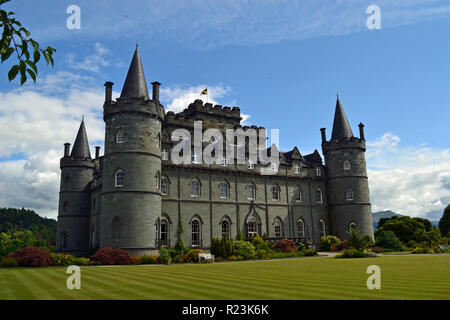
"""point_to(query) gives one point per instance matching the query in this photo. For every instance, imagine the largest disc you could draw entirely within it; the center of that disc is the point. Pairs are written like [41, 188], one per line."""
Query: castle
[135, 198]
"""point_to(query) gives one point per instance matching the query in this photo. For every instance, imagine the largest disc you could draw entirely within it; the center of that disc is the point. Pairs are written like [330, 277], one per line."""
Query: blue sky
[281, 62]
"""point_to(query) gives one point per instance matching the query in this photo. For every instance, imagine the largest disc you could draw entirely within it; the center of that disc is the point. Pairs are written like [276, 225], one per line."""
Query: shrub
[261, 254]
[309, 252]
[240, 236]
[178, 259]
[420, 250]
[32, 257]
[388, 239]
[326, 243]
[221, 247]
[149, 260]
[235, 258]
[192, 256]
[285, 246]
[8, 262]
[341, 246]
[64, 259]
[136, 259]
[376, 250]
[358, 241]
[111, 256]
[244, 248]
[412, 244]
[353, 253]
[164, 255]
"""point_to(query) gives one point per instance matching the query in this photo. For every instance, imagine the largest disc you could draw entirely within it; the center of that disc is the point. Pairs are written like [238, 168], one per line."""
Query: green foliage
[420, 250]
[326, 243]
[444, 222]
[388, 239]
[179, 245]
[240, 236]
[353, 253]
[221, 247]
[8, 262]
[244, 248]
[164, 255]
[149, 260]
[16, 39]
[13, 241]
[62, 259]
[192, 256]
[358, 241]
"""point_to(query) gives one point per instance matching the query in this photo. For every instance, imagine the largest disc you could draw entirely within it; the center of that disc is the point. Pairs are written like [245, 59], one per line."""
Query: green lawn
[402, 277]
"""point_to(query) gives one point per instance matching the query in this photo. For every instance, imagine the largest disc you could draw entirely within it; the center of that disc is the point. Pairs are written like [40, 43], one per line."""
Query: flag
[204, 92]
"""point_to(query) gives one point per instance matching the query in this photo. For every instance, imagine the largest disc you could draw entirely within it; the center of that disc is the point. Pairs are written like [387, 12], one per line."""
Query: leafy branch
[16, 39]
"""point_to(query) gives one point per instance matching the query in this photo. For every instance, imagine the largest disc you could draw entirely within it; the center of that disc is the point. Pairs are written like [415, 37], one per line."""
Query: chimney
[361, 131]
[155, 85]
[97, 152]
[324, 137]
[108, 91]
[66, 149]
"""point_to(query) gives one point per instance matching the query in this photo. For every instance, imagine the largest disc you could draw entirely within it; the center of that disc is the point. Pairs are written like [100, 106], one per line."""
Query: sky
[281, 62]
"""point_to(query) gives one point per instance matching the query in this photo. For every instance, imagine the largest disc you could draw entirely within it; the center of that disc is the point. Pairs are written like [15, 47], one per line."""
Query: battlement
[351, 143]
[133, 105]
[76, 162]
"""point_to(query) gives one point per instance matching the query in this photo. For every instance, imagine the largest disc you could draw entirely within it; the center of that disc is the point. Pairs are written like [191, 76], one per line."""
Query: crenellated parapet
[133, 105]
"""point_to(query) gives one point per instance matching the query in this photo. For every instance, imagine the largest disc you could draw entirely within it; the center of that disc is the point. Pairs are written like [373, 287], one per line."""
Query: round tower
[77, 171]
[131, 199]
[347, 183]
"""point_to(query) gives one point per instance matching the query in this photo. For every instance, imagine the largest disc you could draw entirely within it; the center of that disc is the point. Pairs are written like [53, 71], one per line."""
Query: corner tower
[348, 188]
[131, 199]
[77, 171]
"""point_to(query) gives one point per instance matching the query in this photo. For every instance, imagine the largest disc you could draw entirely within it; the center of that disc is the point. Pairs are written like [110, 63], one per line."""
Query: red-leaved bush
[32, 257]
[111, 256]
[285, 245]
[341, 246]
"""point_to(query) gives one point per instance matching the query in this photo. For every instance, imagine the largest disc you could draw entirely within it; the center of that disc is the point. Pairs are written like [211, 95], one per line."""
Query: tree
[444, 223]
[358, 241]
[388, 239]
[16, 39]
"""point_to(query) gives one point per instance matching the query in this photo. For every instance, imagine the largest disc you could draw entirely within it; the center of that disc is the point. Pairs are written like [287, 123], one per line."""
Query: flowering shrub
[149, 260]
[244, 249]
[32, 257]
[110, 256]
[192, 256]
[285, 246]
[326, 243]
[341, 246]
[64, 259]
[136, 259]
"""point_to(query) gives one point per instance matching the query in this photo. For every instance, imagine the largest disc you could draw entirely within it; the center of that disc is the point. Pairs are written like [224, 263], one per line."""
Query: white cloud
[92, 62]
[409, 180]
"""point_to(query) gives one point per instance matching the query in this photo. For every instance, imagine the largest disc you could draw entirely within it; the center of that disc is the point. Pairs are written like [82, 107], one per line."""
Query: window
[297, 169]
[298, 195]
[226, 229]
[349, 196]
[322, 228]
[195, 188]
[158, 141]
[224, 190]
[157, 180]
[119, 178]
[251, 165]
[65, 206]
[277, 229]
[251, 227]
[64, 238]
[352, 227]
[301, 228]
[164, 186]
[196, 234]
[164, 233]
[116, 229]
[251, 192]
[165, 154]
[347, 165]
[318, 196]
[318, 171]
[120, 137]
[275, 193]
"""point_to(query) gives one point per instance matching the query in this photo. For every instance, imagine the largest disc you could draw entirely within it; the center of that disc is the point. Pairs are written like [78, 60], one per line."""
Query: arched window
[318, 196]
[64, 239]
[164, 233]
[252, 229]
[251, 194]
[352, 227]
[275, 193]
[301, 228]
[226, 229]
[119, 178]
[347, 165]
[157, 180]
[298, 195]
[322, 228]
[164, 186]
[224, 190]
[120, 136]
[195, 188]
[349, 196]
[277, 229]
[196, 233]
[116, 229]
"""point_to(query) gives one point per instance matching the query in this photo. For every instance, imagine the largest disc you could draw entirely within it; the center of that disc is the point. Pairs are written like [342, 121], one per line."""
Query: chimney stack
[155, 85]
[108, 91]
[361, 131]
[324, 137]
[66, 149]
[97, 152]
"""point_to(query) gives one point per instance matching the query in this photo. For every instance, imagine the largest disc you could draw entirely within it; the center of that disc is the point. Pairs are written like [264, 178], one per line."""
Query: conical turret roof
[81, 145]
[341, 127]
[135, 84]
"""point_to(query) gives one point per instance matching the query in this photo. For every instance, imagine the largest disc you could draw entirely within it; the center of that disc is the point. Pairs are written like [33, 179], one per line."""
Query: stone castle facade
[135, 198]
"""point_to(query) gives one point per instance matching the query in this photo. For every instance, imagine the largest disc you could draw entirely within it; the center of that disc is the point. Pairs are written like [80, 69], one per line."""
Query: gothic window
[158, 140]
[275, 193]
[164, 186]
[196, 233]
[64, 239]
[116, 229]
[251, 195]
[224, 190]
[349, 196]
[164, 233]
[347, 165]
[195, 188]
[277, 229]
[352, 227]
[120, 136]
[157, 180]
[318, 171]
[226, 229]
[119, 178]
[322, 228]
[251, 227]
[298, 194]
[318, 196]
[301, 228]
